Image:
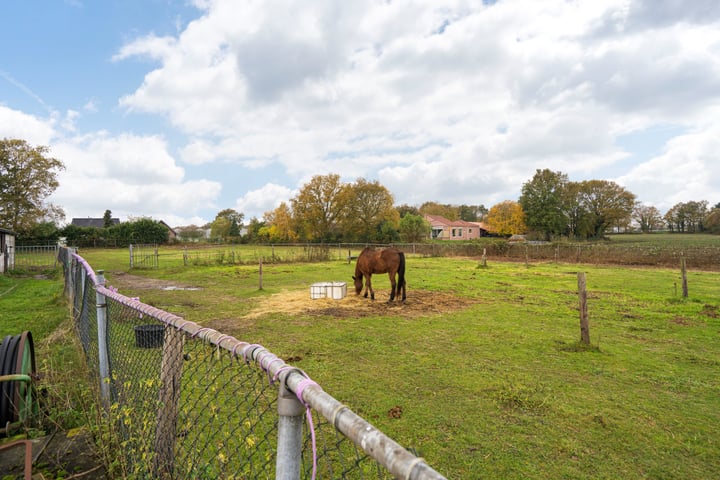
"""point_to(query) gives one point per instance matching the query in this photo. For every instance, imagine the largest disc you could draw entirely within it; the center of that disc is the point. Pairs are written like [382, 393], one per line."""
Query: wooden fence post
[584, 323]
[684, 277]
[169, 397]
[260, 279]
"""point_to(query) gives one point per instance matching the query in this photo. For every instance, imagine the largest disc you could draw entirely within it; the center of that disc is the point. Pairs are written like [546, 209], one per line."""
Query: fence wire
[187, 402]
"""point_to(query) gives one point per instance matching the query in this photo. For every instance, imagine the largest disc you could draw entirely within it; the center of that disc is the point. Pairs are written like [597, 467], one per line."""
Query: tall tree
[367, 206]
[318, 207]
[445, 210]
[604, 204]
[27, 177]
[414, 228]
[227, 224]
[107, 219]
[280, 224]
[687, 216]
[506, 218]
[542, 201]
[647, 216]
[472, 213]
[711, 222]
[405, 209]
[577, 218]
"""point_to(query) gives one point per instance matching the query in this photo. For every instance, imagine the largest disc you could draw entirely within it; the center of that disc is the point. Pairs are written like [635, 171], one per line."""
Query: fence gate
[143, 256]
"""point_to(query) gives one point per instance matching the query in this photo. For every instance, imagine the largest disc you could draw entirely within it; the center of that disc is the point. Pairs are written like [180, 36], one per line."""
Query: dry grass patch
[299, 302]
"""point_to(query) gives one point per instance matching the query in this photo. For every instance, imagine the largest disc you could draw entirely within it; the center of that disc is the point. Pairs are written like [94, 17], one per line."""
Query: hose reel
[17, 373]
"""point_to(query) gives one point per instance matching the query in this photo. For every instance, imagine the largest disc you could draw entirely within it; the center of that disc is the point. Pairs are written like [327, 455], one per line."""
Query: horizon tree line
[327, 210]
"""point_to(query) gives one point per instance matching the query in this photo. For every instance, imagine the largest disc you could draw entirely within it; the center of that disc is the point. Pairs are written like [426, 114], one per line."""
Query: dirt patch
[710, 311]
[123, 281]
[420, 303]
[61, 455]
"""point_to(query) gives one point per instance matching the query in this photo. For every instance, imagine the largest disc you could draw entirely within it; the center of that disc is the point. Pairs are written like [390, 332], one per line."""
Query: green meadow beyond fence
[188, 402]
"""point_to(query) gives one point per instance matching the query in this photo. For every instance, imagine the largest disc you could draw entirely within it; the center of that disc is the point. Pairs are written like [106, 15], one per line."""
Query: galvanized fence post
[102, 323]
[290, 425]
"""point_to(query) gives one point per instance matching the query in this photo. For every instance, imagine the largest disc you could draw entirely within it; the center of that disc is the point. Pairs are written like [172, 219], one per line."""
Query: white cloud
[687, 170]
[131, 176]
[256, 203]
[460, 105]
[16, 124]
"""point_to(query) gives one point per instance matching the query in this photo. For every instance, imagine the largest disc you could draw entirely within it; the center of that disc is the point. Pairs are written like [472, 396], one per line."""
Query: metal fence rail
[184, 401]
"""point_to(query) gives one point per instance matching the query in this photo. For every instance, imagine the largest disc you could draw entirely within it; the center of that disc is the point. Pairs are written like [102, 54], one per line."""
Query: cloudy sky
[176, 109]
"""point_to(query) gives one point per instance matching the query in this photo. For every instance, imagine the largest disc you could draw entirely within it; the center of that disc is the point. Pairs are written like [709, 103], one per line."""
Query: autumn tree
[368, 212]
[414, 228]
[695, 213]
[318, 208]
[542, 200]
[27, 177]
[506, 218]
[711, 223]
[604, 204]
[444, 210]
[648, 217]
[227, 224]
[256, 231]
[405, 209]
[686, 216]
[280, 224]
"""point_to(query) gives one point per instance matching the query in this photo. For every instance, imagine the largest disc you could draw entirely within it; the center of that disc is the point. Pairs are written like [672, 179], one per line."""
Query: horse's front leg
[368, 287]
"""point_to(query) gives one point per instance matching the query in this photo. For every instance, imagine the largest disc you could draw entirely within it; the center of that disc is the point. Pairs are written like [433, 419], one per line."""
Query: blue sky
[175, 109]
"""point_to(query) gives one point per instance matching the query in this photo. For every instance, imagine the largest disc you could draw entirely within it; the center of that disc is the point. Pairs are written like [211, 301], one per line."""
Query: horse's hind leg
[392, 288]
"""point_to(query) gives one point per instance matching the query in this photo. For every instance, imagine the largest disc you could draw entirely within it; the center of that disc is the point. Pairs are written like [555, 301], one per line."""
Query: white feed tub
[334, 290]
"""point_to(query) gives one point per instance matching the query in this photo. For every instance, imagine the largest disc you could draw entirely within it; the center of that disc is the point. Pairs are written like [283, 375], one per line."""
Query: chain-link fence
[183, 401]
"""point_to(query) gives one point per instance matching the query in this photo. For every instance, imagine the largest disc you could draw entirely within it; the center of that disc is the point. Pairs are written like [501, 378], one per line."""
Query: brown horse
[390, 261]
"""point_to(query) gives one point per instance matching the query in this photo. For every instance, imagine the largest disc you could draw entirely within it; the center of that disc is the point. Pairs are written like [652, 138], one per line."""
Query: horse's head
[358, 284]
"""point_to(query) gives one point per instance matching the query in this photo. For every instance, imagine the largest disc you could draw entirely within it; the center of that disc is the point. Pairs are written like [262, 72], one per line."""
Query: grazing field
[481, 371]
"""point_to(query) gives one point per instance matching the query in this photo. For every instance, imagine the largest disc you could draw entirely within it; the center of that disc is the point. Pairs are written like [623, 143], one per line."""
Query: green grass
[665, 239]
[499, 387]
[502, 388]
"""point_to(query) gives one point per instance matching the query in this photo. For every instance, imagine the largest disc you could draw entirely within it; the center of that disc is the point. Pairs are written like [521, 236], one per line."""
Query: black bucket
[149, 336]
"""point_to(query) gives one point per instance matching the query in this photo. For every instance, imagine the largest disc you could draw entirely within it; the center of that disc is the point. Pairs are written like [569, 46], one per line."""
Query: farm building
[92, 222]
[172, 234]
[7, 250]
[444, 229]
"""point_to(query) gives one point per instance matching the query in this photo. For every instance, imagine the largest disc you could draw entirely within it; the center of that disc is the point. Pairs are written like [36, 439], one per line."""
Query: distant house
[7, 250]
[444, 229]
[92, 222]
[172, 234]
